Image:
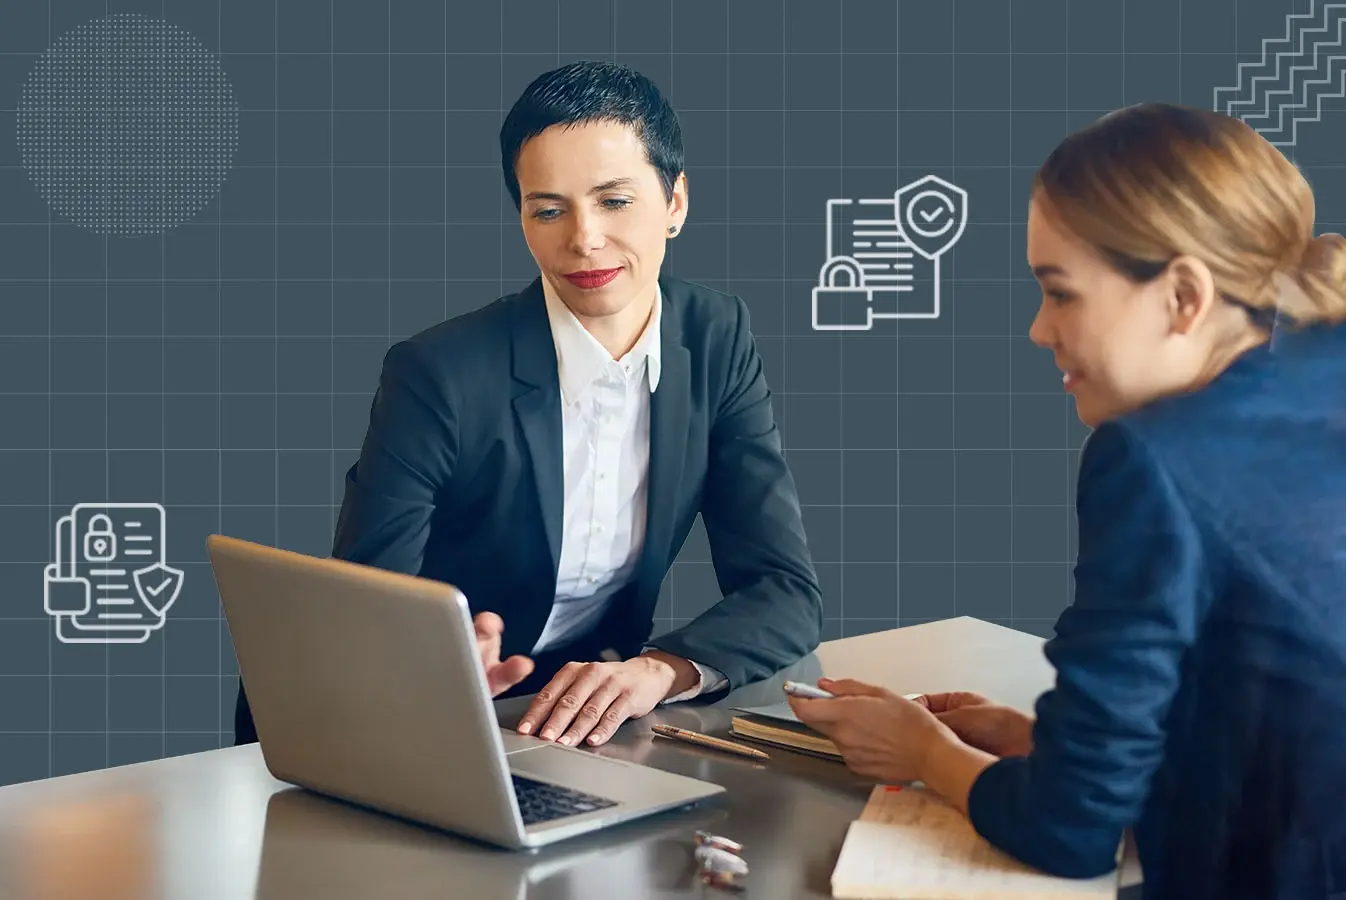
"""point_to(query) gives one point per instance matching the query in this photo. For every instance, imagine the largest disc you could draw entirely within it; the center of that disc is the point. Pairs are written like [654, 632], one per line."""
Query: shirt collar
[581, 358]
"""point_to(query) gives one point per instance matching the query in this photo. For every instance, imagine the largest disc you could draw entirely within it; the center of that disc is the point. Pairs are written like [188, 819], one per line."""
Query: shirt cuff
[708, 679]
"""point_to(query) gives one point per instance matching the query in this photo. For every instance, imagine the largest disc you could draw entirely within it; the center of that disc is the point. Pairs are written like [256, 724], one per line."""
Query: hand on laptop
[500, 676]
[590, 700]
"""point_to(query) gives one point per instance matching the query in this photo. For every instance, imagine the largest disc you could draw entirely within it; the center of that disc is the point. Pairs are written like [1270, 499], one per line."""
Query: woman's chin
[1088, 413]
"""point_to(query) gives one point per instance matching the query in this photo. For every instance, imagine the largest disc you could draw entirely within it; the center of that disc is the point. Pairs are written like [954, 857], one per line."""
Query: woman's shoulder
[1290, 388]
[1249, 451]
[476, 326]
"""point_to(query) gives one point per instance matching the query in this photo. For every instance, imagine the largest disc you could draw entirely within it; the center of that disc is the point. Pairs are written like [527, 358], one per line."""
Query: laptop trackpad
[582, 772]
[613, 779]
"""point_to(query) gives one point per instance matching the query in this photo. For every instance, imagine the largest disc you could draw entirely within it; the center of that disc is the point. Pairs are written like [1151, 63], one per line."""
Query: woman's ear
[677, 205]
[1190, 290]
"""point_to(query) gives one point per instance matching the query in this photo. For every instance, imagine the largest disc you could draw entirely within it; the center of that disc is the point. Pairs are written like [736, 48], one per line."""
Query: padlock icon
[100, 544]
[841, 302]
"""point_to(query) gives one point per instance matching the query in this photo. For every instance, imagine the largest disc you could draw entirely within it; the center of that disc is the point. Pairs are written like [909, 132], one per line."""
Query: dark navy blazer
[1201, 668]
[460, 479]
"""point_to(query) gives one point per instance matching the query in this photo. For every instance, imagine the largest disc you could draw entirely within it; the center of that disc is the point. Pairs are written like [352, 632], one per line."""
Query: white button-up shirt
[605, 424]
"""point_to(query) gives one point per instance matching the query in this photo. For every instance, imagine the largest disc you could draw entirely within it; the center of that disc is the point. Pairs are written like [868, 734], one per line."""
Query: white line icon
[1288, 85]
[110, 583]
[877, 248]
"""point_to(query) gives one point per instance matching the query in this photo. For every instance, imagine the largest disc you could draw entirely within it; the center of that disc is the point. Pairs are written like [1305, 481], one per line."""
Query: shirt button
[598, 529]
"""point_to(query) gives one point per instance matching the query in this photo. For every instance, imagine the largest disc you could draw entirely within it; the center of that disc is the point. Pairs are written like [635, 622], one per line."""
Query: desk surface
[217, 826]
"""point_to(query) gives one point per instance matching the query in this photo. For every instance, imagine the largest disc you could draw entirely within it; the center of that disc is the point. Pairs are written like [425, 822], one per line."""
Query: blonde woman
[1200, 693]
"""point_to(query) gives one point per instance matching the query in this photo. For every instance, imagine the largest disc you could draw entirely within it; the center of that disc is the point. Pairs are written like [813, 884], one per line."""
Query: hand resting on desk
[583, 700]
[591, 700]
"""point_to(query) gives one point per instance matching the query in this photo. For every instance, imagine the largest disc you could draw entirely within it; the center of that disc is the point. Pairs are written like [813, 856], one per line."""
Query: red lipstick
[592, 278]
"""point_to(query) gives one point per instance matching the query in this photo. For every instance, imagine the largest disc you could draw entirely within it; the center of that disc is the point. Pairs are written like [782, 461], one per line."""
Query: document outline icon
[121, 597]
[875, 244]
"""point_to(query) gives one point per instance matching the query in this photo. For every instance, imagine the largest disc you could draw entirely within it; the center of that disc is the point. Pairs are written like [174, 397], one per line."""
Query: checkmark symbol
[931, 214]
[158, 586]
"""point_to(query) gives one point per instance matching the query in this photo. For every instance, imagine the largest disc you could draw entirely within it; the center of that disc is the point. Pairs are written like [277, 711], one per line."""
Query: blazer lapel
[537, 406]
[670, 410]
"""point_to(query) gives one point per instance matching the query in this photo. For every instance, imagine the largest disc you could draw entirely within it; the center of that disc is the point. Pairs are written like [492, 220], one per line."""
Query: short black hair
[594, 91]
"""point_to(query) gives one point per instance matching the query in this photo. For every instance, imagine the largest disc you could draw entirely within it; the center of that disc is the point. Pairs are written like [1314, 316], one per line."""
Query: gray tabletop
[217, 826]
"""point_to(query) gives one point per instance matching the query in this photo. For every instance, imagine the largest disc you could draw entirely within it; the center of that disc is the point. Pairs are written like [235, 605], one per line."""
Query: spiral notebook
[908, 844]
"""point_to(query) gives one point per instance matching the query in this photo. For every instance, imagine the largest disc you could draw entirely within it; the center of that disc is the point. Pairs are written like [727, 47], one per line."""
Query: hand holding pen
[810, 692]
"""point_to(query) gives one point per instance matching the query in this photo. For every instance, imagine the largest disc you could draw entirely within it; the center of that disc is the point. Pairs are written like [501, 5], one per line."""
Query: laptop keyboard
[542, 802]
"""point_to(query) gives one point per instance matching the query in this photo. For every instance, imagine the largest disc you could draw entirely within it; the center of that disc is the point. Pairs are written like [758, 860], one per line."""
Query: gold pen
[705, 740]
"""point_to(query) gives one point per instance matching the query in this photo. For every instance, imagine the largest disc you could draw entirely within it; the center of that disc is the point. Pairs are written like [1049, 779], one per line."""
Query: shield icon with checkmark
[932, 214]
[158, 586]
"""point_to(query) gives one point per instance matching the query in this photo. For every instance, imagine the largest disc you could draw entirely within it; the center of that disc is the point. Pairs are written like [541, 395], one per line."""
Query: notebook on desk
[908, 844]
[777, 725]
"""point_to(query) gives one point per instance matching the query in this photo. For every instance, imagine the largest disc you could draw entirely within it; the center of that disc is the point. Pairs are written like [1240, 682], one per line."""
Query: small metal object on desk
[706, 839]
[719, 862]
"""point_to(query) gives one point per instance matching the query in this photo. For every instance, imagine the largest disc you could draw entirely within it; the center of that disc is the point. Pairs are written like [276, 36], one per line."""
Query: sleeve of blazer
[1142, 584]
[407, 456]
[771, 611]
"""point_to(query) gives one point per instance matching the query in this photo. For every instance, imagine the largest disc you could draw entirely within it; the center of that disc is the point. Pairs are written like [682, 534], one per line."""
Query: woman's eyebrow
[610, 184]
[596, 189]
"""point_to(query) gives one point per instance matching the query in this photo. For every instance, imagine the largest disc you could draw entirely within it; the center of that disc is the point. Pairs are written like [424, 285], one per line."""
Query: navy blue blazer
[460, 479]
[1200, 695]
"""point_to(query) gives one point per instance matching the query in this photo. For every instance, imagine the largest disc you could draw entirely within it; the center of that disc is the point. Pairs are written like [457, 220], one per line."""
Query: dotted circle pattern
[127, 125]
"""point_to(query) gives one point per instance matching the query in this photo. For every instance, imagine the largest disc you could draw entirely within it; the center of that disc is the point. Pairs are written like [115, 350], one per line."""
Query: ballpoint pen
[810, 692]
[799, 689]
[705, 740]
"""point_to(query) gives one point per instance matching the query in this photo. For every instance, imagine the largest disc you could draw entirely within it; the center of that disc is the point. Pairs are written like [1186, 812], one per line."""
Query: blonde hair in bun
[1154, 181]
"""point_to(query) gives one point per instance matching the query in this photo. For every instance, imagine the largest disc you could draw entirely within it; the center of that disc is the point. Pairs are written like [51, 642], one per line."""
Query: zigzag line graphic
[1318, 107]
[1289, 93]
[1264, 63]
[1260, 98]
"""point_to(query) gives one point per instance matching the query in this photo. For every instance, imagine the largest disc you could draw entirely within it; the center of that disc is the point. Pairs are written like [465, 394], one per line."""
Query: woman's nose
[1040, 331]
[586, 236]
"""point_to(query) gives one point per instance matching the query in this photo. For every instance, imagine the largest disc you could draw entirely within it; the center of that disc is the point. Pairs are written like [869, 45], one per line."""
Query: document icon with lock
[883, 255]
[110, 583]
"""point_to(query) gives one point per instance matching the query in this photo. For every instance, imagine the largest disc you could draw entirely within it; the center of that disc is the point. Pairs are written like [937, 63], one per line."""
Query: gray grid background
[225, 368]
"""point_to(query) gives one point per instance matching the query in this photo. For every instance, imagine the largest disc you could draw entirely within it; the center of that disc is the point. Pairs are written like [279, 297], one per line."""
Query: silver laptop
[366, 685]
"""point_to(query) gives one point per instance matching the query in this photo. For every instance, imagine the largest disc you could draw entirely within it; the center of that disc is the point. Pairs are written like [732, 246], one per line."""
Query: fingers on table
[598, 718]
[590, 678]
[542, 704]
[556, 705]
